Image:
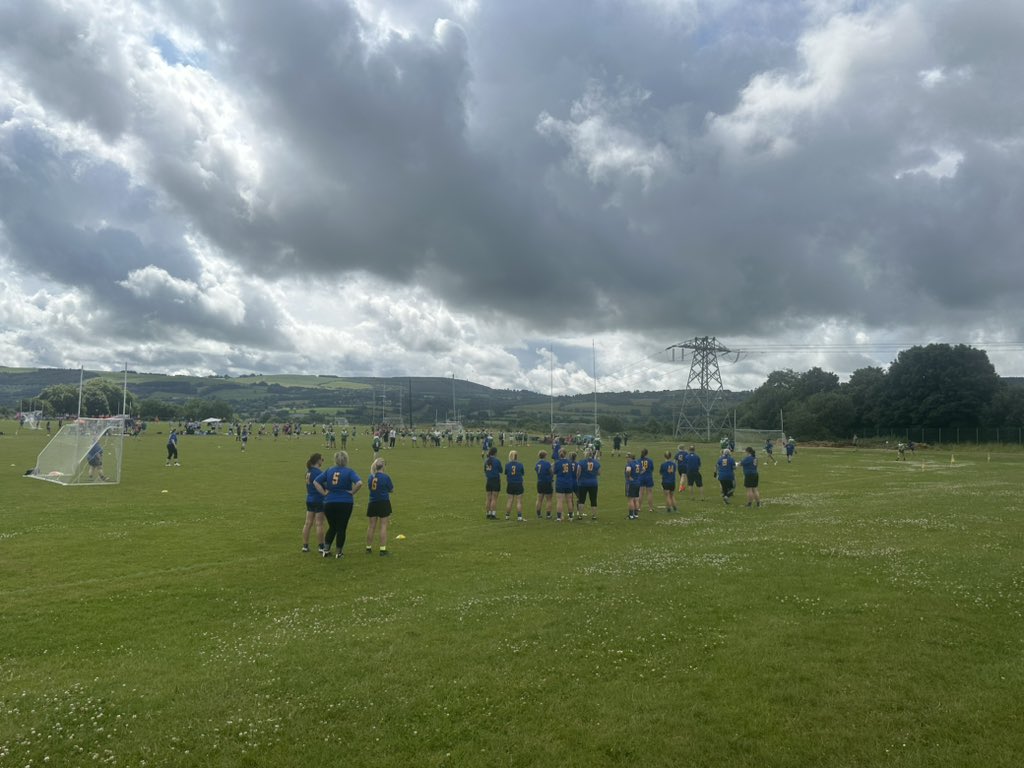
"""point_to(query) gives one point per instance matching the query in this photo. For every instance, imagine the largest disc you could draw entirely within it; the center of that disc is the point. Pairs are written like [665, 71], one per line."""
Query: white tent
[211, 420]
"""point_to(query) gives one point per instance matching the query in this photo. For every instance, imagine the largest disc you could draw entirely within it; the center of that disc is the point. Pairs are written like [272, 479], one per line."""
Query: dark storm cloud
[677, 168]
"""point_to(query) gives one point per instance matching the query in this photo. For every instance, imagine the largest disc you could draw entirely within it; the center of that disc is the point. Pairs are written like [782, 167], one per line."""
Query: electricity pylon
[705, 374]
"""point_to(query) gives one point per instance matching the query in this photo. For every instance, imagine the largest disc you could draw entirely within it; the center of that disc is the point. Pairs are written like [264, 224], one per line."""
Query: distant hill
[364, 400]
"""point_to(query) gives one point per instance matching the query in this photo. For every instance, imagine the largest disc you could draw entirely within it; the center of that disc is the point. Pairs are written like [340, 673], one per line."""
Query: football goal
[83, 452]
[756, 438]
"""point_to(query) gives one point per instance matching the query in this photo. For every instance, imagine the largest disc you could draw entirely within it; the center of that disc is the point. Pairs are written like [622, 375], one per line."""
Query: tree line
[934, 386]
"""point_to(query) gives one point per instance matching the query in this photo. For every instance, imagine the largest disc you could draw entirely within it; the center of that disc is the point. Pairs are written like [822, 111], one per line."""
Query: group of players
[330, 499]
[573, 483]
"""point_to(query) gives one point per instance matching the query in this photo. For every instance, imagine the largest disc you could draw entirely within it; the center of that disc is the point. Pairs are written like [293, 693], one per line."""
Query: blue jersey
[492, 468]
[338, 482]
[312, 494]
[632, 474]
[768, 447]
[95, 455]
[645, 467]
[587, 472]
[544, 471]
[692, 463]
[749, 464]
[668, 473]
[726, 468]
[514, 474]
[380, 486]
[681, 462]
[565, 476]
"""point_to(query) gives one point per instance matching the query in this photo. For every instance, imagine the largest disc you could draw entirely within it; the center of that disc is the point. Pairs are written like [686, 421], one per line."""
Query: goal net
[756, 438]
[83, 452]
[31, 419]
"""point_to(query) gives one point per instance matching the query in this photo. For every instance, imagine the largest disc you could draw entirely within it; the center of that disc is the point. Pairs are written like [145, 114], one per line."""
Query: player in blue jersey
[565, 482]
[790, 450]
[545, 482]
[94, 458]
[681, 467]
[725, 471]
[694, 479]
[172, 448]
[645, 467]
[492, 477]
[750, 477]
[338, 485]
[587, 473]
[576, 505]
[314, 503]
[514, 485]
[378, 506]
[769, 446]
[667, 470]
[632, 475]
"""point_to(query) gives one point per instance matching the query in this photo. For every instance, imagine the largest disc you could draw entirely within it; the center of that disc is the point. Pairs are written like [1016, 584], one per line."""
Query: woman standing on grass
[492, 477]
[514, 485]
[378, 509]
[565, 481]
[587, 472]
[668, 481]
[545, 482]
[645, 468]
[750, 477]
[314, 504]
[338, 485]
[632, 487]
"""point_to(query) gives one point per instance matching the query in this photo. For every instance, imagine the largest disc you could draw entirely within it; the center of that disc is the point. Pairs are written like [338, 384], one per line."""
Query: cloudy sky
[521, 193]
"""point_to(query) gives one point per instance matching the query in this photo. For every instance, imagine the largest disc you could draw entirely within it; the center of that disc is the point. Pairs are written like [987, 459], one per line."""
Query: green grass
[870, 614]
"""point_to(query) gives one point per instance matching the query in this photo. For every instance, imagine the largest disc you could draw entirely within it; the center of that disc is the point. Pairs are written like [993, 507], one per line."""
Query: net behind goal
[86, 451]
[756, 438]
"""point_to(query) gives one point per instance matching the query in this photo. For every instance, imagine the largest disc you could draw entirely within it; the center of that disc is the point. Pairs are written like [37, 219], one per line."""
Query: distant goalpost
[83, 452]
[756, 438]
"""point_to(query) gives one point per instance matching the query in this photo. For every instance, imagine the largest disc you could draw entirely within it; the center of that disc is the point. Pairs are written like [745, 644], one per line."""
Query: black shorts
[633, 491]
[750, 481]
[493, 484]
[695, 479]
[379, 508]
[317, 505]
[544, 487]
[668, 486]
[514, 490]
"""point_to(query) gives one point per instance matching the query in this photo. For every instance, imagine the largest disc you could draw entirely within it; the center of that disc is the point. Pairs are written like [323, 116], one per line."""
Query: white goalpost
[756, 438]
[83, 452]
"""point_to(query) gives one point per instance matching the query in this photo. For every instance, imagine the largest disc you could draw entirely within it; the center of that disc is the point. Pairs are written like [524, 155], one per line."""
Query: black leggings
[337, 514]
[172, 451]
[583, 492]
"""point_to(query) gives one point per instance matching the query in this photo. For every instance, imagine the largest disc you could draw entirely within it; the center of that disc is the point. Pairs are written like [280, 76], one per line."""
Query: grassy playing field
[870, 614]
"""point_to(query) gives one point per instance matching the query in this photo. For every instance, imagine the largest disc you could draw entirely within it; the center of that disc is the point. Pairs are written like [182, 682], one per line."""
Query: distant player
[694, 479]
[94, 458]
[790, 450]
[172, 448]
[645, 468]
[632, 474]
[314, 504]
[769, 446]
[565, 483]
[587, 472]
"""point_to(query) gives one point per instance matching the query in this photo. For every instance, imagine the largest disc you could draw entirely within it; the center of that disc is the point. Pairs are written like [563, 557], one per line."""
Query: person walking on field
[378, 508]
[694, 478]
[172, 448]
[514, 485]
[750, 477]
[725, 471]
[314, 504]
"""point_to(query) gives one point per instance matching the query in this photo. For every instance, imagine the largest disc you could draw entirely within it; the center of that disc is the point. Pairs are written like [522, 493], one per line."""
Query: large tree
[940, 386]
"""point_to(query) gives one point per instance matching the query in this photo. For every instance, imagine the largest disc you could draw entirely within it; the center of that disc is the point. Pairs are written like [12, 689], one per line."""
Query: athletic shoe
[325, 552]
[385, 553]
[538, 514]
[177, 464]
[520, 519]
[508, 516]
[369, 550]
[559, 517]
[305, 547]
[338, 556]
[549, 514]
